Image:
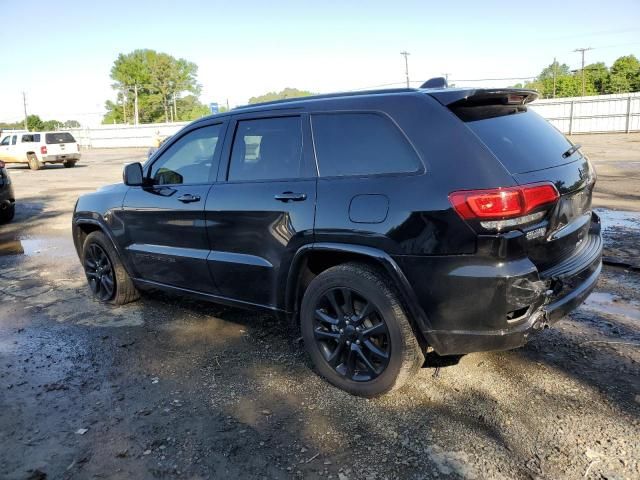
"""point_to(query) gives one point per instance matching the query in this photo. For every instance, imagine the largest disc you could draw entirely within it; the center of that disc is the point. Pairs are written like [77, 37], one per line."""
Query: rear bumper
[477, 304]
[61, 158]
[460, 342]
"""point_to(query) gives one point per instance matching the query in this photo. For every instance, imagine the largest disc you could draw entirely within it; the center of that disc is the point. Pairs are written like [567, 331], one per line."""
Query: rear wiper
[572, 150]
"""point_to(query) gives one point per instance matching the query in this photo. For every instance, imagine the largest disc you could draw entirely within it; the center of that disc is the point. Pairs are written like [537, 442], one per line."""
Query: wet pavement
[175, 388]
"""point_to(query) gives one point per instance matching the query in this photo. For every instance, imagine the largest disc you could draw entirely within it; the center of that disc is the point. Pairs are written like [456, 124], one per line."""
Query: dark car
[7, 197]
[387, 224]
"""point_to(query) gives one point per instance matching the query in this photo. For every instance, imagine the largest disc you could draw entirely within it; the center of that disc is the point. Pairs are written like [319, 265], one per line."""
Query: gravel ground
[174, 388]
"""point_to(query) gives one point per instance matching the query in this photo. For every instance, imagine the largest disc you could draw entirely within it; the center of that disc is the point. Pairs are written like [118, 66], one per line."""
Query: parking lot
[174, 388]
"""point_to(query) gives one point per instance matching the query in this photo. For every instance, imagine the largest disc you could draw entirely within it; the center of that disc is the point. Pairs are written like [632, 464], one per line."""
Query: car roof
[444, 95]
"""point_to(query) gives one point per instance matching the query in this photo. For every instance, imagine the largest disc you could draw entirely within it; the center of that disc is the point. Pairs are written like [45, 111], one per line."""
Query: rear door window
[521, 139]
[267, 149]
[59, 137]
[361, 144]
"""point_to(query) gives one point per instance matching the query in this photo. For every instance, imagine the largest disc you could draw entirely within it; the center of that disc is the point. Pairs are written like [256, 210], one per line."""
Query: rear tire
[34, 163]
[69, 164]
[338, 333]
[7, 214]
[106, 275]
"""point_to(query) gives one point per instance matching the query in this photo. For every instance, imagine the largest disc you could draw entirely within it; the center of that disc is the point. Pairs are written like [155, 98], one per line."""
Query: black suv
[386, 223]
[7, 197]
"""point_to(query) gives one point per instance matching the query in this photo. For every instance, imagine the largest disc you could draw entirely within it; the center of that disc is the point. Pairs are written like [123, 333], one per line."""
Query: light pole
[406, 54]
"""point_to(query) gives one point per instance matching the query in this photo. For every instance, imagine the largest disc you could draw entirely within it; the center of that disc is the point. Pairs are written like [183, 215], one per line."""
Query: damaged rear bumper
[534, 300]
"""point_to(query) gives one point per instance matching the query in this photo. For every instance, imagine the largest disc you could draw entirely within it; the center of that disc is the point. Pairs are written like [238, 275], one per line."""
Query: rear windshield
[59, 137]
[522, 140]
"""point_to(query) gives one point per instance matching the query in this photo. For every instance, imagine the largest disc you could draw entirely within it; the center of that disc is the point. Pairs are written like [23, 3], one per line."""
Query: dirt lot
[173, 388]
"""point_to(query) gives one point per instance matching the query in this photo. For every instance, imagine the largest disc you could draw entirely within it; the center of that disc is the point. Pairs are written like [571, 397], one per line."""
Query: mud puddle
[612, 305]
[615, 219]
[53, 247]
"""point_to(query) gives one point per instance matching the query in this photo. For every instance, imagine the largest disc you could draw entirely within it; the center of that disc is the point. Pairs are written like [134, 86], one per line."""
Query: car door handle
[188, 198]
[290, 197]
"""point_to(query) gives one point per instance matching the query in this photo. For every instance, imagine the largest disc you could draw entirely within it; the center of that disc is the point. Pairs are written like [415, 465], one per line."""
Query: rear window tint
[59, 137]
[361, 144]
[521, 139]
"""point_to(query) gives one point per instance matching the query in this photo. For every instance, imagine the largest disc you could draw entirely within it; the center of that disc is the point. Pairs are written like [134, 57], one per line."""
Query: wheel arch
[312, 259]
[82, 227]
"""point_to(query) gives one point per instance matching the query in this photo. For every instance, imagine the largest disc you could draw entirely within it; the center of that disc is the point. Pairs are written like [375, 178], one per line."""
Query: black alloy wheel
[99, 272]
[351, 334]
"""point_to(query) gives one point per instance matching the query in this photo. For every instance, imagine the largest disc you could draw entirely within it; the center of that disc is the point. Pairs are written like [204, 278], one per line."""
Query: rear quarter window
[361, 144]
[59, 137]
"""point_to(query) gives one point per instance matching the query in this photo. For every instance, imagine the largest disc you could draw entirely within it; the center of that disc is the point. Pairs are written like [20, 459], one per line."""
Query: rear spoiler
[454, 97]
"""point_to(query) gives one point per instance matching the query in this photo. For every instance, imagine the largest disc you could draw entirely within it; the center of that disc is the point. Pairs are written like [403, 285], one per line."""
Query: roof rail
[326, 96]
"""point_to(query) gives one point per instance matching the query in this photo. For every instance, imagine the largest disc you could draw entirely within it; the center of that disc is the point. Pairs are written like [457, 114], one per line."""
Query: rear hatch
[60, 143]
[533, 152]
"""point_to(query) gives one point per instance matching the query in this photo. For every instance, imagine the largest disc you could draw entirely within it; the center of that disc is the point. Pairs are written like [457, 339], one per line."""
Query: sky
[60, 52]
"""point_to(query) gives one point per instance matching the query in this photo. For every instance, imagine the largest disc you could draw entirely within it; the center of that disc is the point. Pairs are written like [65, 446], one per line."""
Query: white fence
[109, 136]
[598, 114]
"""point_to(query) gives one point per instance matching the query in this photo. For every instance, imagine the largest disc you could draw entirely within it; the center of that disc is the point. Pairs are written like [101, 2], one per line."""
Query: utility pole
[582, 50]
[24, 102]
[124, 106]
[406, 54]
[135, 103]
[554, 76]
[175, 109]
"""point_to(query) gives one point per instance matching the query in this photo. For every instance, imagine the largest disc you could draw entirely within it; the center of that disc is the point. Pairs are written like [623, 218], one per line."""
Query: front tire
[108, 280]
[7, 214]
[356, 331]
[34, 163]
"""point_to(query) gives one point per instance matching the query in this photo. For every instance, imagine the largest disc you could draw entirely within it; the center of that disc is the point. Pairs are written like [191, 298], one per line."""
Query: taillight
[501, 204]
[43, 149]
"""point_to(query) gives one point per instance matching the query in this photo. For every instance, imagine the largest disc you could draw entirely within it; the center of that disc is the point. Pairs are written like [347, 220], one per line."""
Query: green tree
[624, 76]
[597, 74]
[566, 84]
[18, 125]
[189, 108]
[160, 80]
[34, 123]
[51, 125]
[71, 124]
[286, 93]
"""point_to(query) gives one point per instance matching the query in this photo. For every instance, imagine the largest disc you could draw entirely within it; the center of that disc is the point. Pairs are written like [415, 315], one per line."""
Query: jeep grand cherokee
[384, 223]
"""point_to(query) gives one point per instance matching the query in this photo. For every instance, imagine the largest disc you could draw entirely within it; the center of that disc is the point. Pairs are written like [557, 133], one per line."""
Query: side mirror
[132, 175]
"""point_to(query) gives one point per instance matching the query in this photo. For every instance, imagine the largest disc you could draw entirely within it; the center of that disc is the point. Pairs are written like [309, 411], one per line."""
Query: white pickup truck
[38, 148]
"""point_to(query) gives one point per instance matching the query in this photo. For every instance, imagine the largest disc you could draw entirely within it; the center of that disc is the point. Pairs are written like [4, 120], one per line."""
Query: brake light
[502, 203]
[43, 149]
